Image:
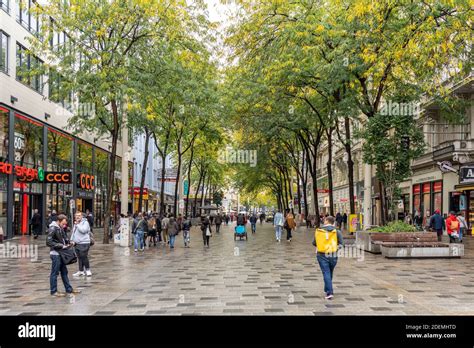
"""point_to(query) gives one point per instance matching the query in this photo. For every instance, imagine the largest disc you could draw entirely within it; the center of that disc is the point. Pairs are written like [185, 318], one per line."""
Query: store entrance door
[83, 204]
[23, 208]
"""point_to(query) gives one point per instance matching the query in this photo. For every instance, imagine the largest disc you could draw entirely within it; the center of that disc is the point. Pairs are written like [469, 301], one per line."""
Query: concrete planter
[364, 241]
[450, 250]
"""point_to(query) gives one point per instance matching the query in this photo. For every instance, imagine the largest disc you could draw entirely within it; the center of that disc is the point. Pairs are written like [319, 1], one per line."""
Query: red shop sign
[438, 186]
[416, 189]
[426, 187]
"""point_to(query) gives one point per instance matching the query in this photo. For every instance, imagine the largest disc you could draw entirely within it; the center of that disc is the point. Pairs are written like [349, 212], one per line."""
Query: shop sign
[85, 181]
[466, 174]
[57, 177]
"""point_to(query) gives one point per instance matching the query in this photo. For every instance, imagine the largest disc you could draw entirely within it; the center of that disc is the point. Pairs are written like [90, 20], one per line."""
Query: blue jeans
[254, 227]
[186, 237]
[278, 232]
[139, 240]
[327, 265]
[461, 231]
[58, 267]
[172, 239]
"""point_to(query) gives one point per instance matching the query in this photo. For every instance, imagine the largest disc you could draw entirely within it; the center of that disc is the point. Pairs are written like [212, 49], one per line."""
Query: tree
[102, 40]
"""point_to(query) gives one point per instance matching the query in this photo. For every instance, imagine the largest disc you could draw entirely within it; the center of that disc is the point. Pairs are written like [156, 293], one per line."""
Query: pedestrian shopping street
[254, 277]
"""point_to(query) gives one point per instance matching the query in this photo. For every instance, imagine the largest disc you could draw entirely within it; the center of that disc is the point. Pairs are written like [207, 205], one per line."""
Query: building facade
[43, 165]
[152, 187]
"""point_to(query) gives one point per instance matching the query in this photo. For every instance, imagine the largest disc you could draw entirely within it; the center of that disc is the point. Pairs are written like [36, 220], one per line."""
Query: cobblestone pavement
[254, 277]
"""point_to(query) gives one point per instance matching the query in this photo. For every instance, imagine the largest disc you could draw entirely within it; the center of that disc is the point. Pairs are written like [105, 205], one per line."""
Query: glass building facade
[35, 161]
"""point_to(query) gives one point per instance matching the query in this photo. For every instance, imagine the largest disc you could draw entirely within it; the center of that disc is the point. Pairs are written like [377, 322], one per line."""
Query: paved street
[260, 277]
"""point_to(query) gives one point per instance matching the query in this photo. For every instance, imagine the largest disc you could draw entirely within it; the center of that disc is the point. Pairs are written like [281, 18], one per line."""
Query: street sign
[446, 167]
[72, 204]
[181, 204]
[466, 174]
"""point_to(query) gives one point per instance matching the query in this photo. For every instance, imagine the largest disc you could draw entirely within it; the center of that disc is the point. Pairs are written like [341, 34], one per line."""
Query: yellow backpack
[326, 241]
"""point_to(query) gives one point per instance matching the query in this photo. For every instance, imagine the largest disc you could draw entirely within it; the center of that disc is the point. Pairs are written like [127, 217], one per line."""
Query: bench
[415, 244]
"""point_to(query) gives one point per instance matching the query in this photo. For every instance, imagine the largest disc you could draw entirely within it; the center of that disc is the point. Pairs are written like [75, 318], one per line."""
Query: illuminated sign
[58, 177]
[25, 174]
[86, 181]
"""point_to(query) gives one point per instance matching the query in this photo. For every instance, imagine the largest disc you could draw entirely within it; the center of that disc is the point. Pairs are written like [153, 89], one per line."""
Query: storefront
[427, 198]
[45, 169]
[463, 199]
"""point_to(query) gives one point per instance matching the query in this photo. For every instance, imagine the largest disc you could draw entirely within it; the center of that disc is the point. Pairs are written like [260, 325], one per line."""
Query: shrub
[395, 226]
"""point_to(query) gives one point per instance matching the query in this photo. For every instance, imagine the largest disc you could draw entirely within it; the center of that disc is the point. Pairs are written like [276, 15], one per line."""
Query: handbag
[91, 236]
[208, 232]
[68, 256]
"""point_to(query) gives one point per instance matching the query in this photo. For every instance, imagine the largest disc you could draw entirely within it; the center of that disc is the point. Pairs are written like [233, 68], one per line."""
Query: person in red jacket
[452, 226]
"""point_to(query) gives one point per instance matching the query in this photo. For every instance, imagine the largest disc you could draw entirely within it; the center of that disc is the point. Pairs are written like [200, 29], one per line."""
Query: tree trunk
[163, 155]
[382, 202]
[111, 174]
[201, 177]
[176, 187]
[329, 169]
[145, 161]
[189, 180]
[350, 163]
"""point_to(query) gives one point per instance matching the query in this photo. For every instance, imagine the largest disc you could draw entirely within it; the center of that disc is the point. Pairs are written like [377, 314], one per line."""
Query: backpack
[454, 225]
[326, 241]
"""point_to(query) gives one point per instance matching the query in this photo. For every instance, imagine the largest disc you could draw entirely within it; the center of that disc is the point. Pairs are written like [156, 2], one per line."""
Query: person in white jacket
[82, 242]
[463, 225]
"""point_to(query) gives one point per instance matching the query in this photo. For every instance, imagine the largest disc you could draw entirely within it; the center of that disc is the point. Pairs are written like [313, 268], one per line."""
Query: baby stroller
[240, 232]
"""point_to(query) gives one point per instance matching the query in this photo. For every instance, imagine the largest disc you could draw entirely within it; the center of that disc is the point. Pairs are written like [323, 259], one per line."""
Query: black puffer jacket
[57, 237]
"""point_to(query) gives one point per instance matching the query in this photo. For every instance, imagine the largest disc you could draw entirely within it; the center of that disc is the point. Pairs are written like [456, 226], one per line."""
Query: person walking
[452, 227]
[278, 222]
[262, 218]
[187, 231]
[289, 224]
[90, 218]
[152, 231]
[327, 240]
[218, 222]
[344, 221]
[164, 228]
[241, 220]
[253, 222]
[82, 241]
[57, 241]
[437, 224]
[36, 223]
[206, 230]
[53, 216]
[138, 230]
[338, 220]
[173, 229]
[463, 226]
[158, 228]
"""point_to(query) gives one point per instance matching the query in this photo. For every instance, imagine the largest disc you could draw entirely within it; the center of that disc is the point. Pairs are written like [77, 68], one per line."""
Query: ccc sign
[57, 178]
[86, 181]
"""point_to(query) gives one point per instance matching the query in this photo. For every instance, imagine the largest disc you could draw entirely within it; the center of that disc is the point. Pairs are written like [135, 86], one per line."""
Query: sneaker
[136, 250]
[329, 297]
[78, 274]
[88, 273]
[58, 294]
[74, 292]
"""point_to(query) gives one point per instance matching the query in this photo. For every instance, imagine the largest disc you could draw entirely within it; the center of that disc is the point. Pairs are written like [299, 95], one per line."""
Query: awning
[464, 187]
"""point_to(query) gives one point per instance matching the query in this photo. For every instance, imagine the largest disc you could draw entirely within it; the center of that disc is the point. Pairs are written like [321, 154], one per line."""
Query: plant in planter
[395, 226]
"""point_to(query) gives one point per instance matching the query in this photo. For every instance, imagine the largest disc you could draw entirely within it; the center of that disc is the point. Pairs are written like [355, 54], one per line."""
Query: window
[5, 5]
[27, 16]
[29, 69]
[4, 51]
